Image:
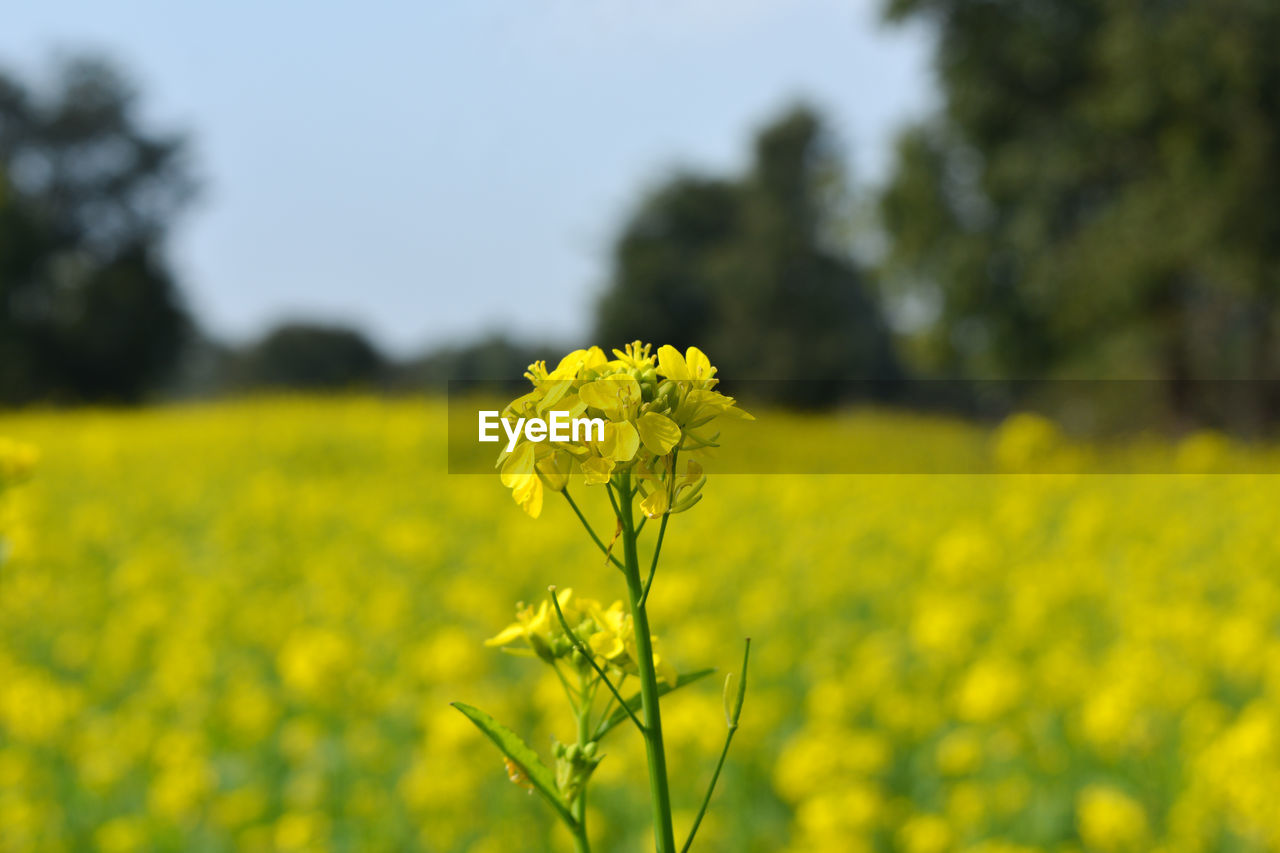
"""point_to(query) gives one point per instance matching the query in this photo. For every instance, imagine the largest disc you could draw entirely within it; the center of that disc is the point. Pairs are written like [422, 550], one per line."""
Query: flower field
[239, 626]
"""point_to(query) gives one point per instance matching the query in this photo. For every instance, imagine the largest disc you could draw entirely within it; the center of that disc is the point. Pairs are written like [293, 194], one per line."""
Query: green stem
[604, 716]
[594, 538]
[653, 567]
[731, 717]
[658, 789]
[579, 806]
[662, 530]
[724, 753]
[589, 658]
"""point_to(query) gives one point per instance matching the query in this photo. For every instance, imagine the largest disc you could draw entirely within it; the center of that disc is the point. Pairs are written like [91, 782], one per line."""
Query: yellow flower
[533, 626]
[652, 411]
[1111, 820]
[693, 365]
[607, 631]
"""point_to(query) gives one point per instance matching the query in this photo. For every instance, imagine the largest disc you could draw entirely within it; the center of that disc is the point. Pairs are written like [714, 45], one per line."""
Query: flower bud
[540, 647]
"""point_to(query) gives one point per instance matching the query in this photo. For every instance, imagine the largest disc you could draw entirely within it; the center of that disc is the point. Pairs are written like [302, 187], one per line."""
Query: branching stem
[590, 658]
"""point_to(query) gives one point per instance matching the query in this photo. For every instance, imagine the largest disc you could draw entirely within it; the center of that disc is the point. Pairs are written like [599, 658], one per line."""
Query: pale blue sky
[431, 170]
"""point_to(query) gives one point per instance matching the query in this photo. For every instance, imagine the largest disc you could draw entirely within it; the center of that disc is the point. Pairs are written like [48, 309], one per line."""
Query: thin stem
[594, 538]
[564, 682]
[657, 548]
[608, 706]
[707, 799]
[579, 806]
[658, 788]
[617, 510]
[590, 658]
[731, 717]
[653, 567]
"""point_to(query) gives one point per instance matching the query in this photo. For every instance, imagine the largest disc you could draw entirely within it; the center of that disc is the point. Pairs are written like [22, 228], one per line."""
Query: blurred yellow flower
[1110, 820]
[285, 593]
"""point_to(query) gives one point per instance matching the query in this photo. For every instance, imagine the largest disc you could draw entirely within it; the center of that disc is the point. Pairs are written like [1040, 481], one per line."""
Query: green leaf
[541, 776]
[634, 702]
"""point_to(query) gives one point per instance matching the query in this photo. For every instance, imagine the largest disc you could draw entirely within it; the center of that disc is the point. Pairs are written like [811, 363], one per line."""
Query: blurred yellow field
[238, 626]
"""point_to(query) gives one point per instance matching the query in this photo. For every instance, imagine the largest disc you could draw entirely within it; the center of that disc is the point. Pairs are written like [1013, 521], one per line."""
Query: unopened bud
[540, 648]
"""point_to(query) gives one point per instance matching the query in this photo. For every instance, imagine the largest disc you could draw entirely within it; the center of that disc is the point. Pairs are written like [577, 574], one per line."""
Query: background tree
[88, 307]
[1097, 195]
[308, 356]
[753, 270]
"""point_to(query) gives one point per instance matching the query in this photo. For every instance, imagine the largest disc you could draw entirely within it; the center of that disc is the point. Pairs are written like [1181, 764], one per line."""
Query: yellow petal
[666, 672]
[554, 469]
[552, 392]
[699, 365]
[607, 645]
[658, 432]
[569, 365]
[518, 465]
[671, 363]
[512, 632]
[540, 621]
[655, 504]
[692, 473]
[613, 395]
[528, 493]
[621, 441]
[571, 405]
[597, 470]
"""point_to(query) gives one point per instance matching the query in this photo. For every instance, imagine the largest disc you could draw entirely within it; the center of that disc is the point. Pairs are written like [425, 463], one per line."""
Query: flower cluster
[654, 408]
[607, 631]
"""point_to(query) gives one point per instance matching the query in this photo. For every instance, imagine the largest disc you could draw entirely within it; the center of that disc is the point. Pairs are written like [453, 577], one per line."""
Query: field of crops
[238, 627]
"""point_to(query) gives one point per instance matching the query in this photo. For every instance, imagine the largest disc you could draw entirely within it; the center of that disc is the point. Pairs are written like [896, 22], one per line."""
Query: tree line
[1093, 198]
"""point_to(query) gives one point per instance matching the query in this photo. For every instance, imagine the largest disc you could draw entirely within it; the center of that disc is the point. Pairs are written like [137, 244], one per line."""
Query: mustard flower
[607, 631]
[654, 409]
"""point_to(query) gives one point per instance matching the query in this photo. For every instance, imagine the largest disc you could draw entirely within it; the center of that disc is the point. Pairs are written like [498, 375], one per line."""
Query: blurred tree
[301, 355]
[88, 307]
[1097, 195]
[666, 260]
[754, 271]
[493, 363]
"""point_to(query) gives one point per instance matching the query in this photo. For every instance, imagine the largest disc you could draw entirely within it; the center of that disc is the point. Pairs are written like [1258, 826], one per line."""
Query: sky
[431, 171]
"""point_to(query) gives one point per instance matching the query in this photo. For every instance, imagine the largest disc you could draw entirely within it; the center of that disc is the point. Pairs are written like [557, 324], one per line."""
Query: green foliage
[751, 269]
[537, 774]
[1096, 196]
[88, 306]
[307, 356]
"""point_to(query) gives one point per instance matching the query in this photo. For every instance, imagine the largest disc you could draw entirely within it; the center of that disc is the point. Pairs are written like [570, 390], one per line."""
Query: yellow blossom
[652, 409]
